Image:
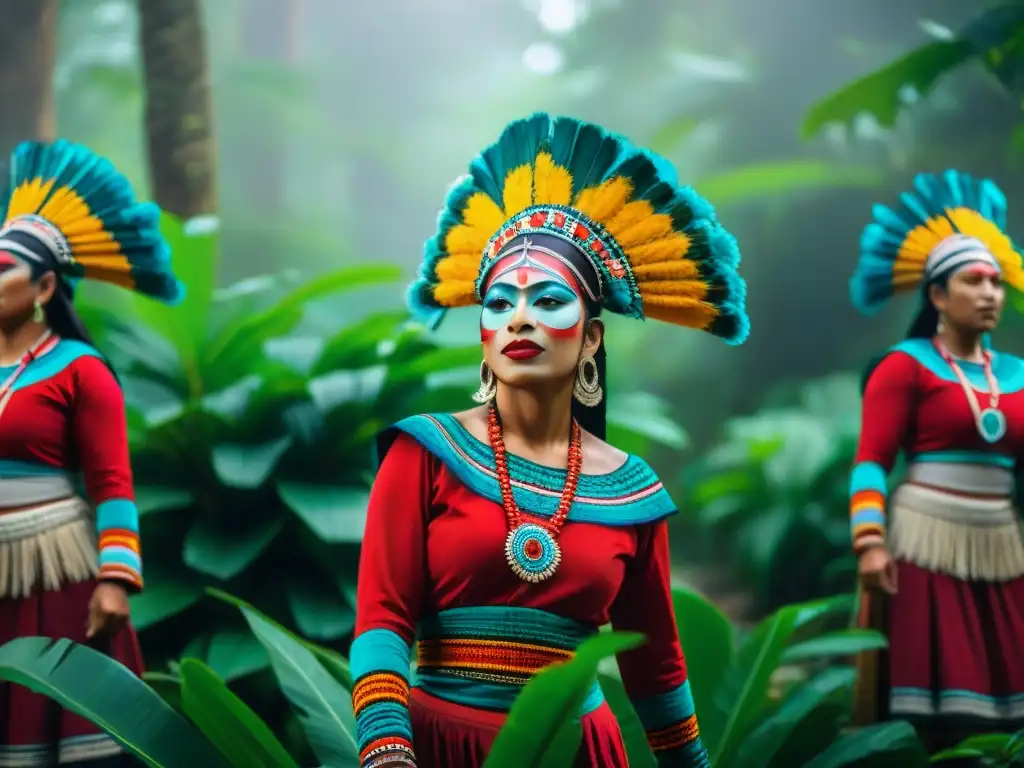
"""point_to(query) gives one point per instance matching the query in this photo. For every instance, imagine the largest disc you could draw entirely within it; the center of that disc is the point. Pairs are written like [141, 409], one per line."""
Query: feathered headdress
[71, 209]
[656, 246]
[944, 222]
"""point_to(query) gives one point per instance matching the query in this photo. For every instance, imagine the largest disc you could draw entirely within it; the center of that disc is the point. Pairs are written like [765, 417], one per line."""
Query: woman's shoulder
[603, 458]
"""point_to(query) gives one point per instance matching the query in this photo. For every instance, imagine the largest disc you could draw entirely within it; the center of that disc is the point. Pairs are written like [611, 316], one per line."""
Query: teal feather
[931, 195]
[109, 197]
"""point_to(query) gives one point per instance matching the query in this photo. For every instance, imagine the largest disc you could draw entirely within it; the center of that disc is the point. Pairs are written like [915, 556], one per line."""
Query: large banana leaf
[324, 708]
[542, 730]
[228, 722]
[887, 745]
[637, 749]
[106, 693]
[745, 690]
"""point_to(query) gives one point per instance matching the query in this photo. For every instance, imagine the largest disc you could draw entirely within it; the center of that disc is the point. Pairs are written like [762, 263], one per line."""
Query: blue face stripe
[550, 302]
[868, 476]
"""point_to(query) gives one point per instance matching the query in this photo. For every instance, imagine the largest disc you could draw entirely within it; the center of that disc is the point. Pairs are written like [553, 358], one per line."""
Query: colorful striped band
[483, 656]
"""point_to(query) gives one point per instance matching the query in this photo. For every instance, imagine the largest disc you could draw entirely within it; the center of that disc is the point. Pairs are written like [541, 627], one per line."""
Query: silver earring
[587, 389]
[940, 326]
[488, 385]
[37, 313]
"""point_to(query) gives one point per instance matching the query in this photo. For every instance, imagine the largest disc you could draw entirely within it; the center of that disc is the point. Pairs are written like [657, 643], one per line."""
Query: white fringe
[49, 546]
[969, 538]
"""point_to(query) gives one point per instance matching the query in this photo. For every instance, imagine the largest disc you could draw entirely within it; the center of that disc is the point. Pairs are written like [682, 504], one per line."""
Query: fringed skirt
[449, 735]
[48, 566]
[956, 624]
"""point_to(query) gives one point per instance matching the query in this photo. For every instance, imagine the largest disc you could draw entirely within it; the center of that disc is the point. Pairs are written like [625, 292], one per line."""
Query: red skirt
[956, 650]
[447, 735]
[34, 731]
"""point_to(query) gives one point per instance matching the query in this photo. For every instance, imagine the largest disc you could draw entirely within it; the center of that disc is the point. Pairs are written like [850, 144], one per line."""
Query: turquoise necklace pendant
[532, 552]
[992, 425]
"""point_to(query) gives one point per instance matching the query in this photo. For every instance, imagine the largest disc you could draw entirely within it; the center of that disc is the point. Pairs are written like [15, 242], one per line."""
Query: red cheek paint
[486, 335]
[564, 334]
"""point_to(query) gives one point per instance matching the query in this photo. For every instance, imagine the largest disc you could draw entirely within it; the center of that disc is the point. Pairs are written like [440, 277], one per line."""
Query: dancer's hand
[877, 569]
[108, 610]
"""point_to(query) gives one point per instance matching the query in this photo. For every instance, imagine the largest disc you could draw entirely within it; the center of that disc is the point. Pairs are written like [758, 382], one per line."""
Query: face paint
[982, 269]
[11, 268]
[542, 286]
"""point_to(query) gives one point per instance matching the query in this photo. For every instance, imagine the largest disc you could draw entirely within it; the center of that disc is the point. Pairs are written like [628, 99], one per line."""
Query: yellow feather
[631, 215]
[458, 268]
[603, 202]
[463, 239]
[675, 289]
[109, 274]
[690, 313]
[518, 192]
[88, 238]
[650, 229]
[681, 269]
[671, 248]
[460, 293]
[91, 250]
[27, 197]
[483, 213]
[552, 184]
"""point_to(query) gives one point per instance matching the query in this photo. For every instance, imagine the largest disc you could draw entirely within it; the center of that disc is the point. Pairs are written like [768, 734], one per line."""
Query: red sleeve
[886, 420]
[390, 594]
[655, 674]
[100, 432]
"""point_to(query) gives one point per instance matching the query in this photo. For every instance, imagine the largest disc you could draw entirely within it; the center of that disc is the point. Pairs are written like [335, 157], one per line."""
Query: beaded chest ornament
[991, 421]
[531, 550]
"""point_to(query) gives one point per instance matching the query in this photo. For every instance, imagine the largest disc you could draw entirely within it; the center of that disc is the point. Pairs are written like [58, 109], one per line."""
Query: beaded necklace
[41, 346]
[991, 422]
[531, 550]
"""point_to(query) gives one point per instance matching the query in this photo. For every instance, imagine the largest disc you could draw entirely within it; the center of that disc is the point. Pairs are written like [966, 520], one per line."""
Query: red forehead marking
[980, 268]
[7, 259]
[523, 274]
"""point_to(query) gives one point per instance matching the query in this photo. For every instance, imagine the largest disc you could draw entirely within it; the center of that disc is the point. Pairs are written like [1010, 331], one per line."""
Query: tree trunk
[179, 130]
[28, 36]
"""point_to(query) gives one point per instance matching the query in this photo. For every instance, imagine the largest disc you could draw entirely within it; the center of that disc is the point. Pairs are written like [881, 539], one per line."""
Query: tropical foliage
[766, 698]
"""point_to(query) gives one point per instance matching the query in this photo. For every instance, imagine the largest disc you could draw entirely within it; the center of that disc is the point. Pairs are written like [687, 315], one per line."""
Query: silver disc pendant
[992, 425]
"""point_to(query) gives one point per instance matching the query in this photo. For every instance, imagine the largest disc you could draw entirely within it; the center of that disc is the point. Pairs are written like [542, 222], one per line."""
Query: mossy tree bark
[28, 42]
[179, 119]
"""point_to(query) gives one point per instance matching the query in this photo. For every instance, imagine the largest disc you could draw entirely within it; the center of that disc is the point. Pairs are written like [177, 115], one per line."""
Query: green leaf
[638, 751]
[783, 726]
[436, 360]
[241, 342]
[322, 705]
[320, 614]
[335, 664]
[336, 514]
[228, 722]
[167, 686]
[878, 94]
[757, 661]
[248, 466]
[154, 498]
[774, 179]
[844, 642]
[233, 654]
[223, 551]
[894, 742]
[355, 346]
[550, 702]
[991, 745]
[94, 686]
[167, 593]
[706, 636]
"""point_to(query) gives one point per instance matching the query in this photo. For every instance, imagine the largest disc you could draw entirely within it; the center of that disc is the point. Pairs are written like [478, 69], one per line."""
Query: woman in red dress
[501, 537]
[67, 565]
[941, 556]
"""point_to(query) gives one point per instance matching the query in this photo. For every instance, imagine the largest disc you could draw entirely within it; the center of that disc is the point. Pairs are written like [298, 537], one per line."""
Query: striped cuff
[120, 559]
[379, 664]
[867, 505]
[670, 723]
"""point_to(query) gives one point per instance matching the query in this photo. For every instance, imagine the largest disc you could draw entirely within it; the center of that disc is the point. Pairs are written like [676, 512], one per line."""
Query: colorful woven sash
[483, 656]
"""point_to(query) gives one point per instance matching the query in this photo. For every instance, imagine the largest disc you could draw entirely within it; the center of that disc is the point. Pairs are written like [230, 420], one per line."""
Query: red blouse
[66, 413]
[434, 547]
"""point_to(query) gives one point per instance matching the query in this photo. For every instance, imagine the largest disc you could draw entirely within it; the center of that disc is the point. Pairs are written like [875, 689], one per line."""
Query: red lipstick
[522, 349]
